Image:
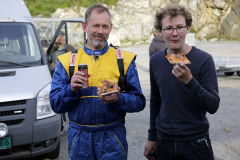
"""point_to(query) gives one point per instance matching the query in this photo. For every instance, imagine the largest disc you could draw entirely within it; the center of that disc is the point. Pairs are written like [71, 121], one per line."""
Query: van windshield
[18, 44]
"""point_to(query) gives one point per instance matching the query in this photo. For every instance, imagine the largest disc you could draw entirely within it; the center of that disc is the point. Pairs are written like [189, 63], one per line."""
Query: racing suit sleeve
[133, 99]
[62, 98]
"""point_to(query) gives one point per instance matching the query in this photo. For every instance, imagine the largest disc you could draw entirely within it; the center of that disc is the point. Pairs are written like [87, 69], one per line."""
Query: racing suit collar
[96, 52]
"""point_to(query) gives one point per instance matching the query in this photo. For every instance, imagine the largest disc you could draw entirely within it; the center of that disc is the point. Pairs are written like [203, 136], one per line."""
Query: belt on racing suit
[97, 127]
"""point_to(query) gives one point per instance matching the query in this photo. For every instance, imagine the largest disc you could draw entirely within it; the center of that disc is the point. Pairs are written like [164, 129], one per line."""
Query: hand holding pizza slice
[180, 71]
[108, 88]
[175, 58]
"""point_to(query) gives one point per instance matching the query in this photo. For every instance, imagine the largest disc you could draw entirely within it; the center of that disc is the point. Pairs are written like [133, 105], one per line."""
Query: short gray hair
[100, 8]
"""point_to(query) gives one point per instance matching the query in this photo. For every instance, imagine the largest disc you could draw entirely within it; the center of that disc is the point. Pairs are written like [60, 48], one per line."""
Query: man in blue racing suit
[96, 123]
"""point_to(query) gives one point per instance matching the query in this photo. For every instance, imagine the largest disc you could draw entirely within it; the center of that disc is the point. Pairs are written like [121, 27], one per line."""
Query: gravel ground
[224, 125]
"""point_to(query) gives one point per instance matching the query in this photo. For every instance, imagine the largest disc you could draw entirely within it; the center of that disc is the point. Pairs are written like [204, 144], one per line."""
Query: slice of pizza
[175, 58]
[108, 87]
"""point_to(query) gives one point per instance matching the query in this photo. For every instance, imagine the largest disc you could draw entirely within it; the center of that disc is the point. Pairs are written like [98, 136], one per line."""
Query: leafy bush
[47, 7]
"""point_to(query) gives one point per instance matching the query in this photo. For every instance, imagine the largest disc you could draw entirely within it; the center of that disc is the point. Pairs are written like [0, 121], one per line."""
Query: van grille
[10, 113]
[11, 110]
[12, 103]
[12, 122]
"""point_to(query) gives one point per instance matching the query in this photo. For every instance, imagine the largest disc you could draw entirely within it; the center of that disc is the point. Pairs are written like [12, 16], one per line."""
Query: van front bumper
[40, 138]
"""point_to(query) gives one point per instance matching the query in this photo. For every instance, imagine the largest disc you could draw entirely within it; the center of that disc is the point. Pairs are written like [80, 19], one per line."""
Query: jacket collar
[96, 52]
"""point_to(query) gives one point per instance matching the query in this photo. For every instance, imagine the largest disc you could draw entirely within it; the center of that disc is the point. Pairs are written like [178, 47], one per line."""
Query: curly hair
[172, 11]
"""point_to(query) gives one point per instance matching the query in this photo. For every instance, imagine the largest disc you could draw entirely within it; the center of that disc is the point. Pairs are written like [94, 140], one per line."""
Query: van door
[69, 36]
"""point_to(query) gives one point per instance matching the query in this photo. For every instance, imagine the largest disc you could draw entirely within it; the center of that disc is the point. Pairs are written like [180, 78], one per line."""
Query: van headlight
[44, 109]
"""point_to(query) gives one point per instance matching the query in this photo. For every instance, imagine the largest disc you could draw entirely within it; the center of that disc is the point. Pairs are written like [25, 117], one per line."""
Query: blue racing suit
[96, 130]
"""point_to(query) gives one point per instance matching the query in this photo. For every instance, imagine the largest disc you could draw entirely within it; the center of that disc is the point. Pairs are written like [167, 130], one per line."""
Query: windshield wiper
[20, 64]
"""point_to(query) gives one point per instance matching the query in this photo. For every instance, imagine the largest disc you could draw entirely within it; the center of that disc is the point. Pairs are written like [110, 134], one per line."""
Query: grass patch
[228, 130]
[127, 40]
[47, 7]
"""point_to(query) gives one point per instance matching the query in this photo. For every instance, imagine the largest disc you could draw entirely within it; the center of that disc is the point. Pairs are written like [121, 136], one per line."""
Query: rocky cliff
[134, 19]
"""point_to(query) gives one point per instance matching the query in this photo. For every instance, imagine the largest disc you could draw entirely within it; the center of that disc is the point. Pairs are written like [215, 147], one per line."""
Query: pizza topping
[107, 87]
[175, 58]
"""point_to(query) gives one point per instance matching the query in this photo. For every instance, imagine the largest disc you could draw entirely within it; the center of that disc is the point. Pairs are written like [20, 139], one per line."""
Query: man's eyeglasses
[178, 29]
[58, 43]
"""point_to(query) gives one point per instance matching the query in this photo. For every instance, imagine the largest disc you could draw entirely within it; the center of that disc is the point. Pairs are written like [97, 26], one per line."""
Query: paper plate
[104, 94]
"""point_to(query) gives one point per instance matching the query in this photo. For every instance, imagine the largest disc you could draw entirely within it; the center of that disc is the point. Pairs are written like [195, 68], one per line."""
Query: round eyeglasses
[170, 30]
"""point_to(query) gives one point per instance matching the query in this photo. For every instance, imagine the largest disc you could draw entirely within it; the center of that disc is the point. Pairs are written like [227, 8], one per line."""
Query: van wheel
[238, 73]
[54, 154]
[228, 73]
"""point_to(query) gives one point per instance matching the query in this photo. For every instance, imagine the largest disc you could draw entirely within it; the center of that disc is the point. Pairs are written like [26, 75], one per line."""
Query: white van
[28, 126]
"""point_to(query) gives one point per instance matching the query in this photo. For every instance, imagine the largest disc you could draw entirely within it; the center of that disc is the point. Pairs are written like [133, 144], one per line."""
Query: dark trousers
[198, 149]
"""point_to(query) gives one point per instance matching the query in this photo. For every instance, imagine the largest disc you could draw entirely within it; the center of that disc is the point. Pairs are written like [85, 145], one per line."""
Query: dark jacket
[157, 44]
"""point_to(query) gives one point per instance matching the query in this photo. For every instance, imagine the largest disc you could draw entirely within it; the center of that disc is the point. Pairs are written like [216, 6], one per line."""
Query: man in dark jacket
[157, 44]
[181, 95]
